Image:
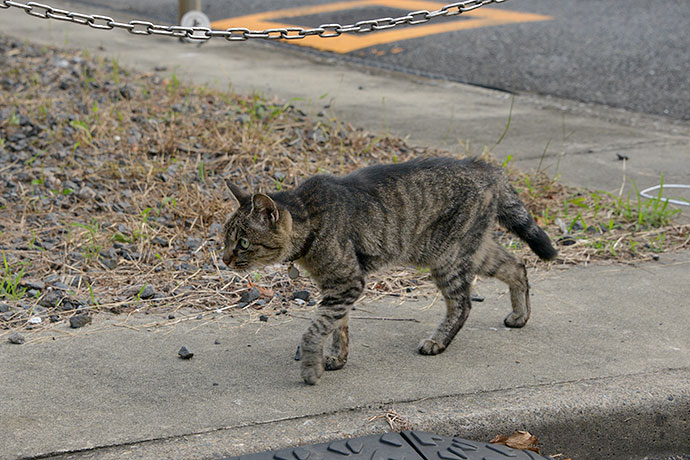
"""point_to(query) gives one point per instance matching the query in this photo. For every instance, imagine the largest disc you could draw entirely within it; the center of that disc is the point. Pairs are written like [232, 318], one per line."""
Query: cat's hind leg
[337, 355]
[455, 284]
[502, 265]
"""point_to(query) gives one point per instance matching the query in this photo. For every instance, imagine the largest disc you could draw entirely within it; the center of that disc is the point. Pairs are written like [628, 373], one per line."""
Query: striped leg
[455, 285]
[337, 356]
[504, 266]
[331, 315]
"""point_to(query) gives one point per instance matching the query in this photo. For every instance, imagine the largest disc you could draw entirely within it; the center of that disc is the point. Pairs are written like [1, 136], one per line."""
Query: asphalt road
[632, 54]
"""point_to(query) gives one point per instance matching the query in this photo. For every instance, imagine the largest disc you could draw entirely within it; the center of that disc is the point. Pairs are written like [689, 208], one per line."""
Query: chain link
[136, 27]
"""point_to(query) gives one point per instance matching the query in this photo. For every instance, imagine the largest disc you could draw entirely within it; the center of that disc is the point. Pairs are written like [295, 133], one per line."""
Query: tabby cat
[436, 212]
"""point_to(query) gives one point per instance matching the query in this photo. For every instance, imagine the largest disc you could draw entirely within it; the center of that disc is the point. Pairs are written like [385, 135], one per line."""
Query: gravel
[78, 321]
[16, 338]
[302, 295]
[184, 353]
[250, 295]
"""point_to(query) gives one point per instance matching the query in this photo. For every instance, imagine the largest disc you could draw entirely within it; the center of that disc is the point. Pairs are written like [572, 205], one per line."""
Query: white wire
[665, 186]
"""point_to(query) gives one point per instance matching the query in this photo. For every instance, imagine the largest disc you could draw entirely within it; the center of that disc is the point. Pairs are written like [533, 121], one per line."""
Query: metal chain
[97, 21]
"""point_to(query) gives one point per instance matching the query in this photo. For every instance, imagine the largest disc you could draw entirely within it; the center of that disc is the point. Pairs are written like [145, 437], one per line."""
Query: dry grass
[112, 180]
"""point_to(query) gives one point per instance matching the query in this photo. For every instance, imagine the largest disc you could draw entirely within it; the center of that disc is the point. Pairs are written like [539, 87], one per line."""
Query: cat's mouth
[240, 266]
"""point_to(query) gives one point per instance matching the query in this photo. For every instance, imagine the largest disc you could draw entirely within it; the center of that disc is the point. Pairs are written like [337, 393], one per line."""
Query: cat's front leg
[331, 317]
[313, 362]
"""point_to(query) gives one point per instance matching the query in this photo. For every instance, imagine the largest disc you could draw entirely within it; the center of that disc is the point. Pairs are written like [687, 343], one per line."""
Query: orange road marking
[481, 17]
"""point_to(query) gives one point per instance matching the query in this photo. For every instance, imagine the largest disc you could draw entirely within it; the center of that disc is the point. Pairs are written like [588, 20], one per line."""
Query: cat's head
[257, 233]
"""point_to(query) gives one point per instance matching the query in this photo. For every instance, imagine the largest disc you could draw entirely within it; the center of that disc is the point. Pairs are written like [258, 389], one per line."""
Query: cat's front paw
[312, 371]
[333, 363]
[430, 347]
[513, 320]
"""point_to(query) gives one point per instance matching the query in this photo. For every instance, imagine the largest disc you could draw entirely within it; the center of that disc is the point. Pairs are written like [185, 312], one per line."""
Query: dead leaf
[522, 440]
[264, 292]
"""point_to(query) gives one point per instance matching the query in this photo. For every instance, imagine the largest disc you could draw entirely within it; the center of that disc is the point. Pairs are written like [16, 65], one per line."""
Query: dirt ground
[112, 193]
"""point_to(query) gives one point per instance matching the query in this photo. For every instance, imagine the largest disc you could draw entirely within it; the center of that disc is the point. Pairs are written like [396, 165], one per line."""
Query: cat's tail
[513, 215]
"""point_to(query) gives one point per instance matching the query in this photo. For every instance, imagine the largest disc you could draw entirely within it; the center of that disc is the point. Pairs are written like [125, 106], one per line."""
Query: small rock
[51, 278]
[477, 298]
[622, 157]
[16, 338]
[216, 342]
[86, 193]
[78, 321]
[251, 295]
[561, 225]
[35, 320]
[566, 241]
[279, 176]
[199, 316]
[7, 316]
[263, 318]
[298, 353]
[284, 311]
[303, 295]
[142, 291]
[171, 316]
[300, 302]
[35, 285]
[184, 353]
[215, 229]
[192, 243]
[61, 286]
[54, 318]
[312, 302]
[160, 241]
[126, 92]
[51, 299]
[4, 308]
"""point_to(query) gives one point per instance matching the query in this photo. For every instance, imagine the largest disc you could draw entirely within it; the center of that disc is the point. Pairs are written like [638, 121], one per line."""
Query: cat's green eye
[244, 243]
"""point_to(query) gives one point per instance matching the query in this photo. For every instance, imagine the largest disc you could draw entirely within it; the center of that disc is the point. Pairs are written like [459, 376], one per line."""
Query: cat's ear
[265, 209]
[240, 195]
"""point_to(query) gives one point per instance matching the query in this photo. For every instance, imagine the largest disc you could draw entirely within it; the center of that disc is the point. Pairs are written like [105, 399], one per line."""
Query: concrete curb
[615, 418]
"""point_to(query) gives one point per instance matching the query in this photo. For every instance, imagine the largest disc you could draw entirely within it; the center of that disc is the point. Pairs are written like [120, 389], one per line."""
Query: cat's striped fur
[437, 213]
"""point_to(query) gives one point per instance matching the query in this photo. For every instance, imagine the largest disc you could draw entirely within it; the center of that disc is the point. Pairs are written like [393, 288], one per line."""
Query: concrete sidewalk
[597, 373]
[601, 371]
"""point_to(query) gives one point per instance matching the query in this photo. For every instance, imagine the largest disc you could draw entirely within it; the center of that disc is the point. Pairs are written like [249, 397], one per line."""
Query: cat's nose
[227, 259]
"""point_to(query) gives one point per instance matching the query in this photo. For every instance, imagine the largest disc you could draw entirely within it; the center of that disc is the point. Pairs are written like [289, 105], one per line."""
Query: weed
[202, 171]
[654, 212]
[9, 285]
[91, 248]
[505, 130]
[14, 118]
[31, 160]
[141, 291]
[94, 301]
[116, 71]
[82, 127]
[173, 84]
